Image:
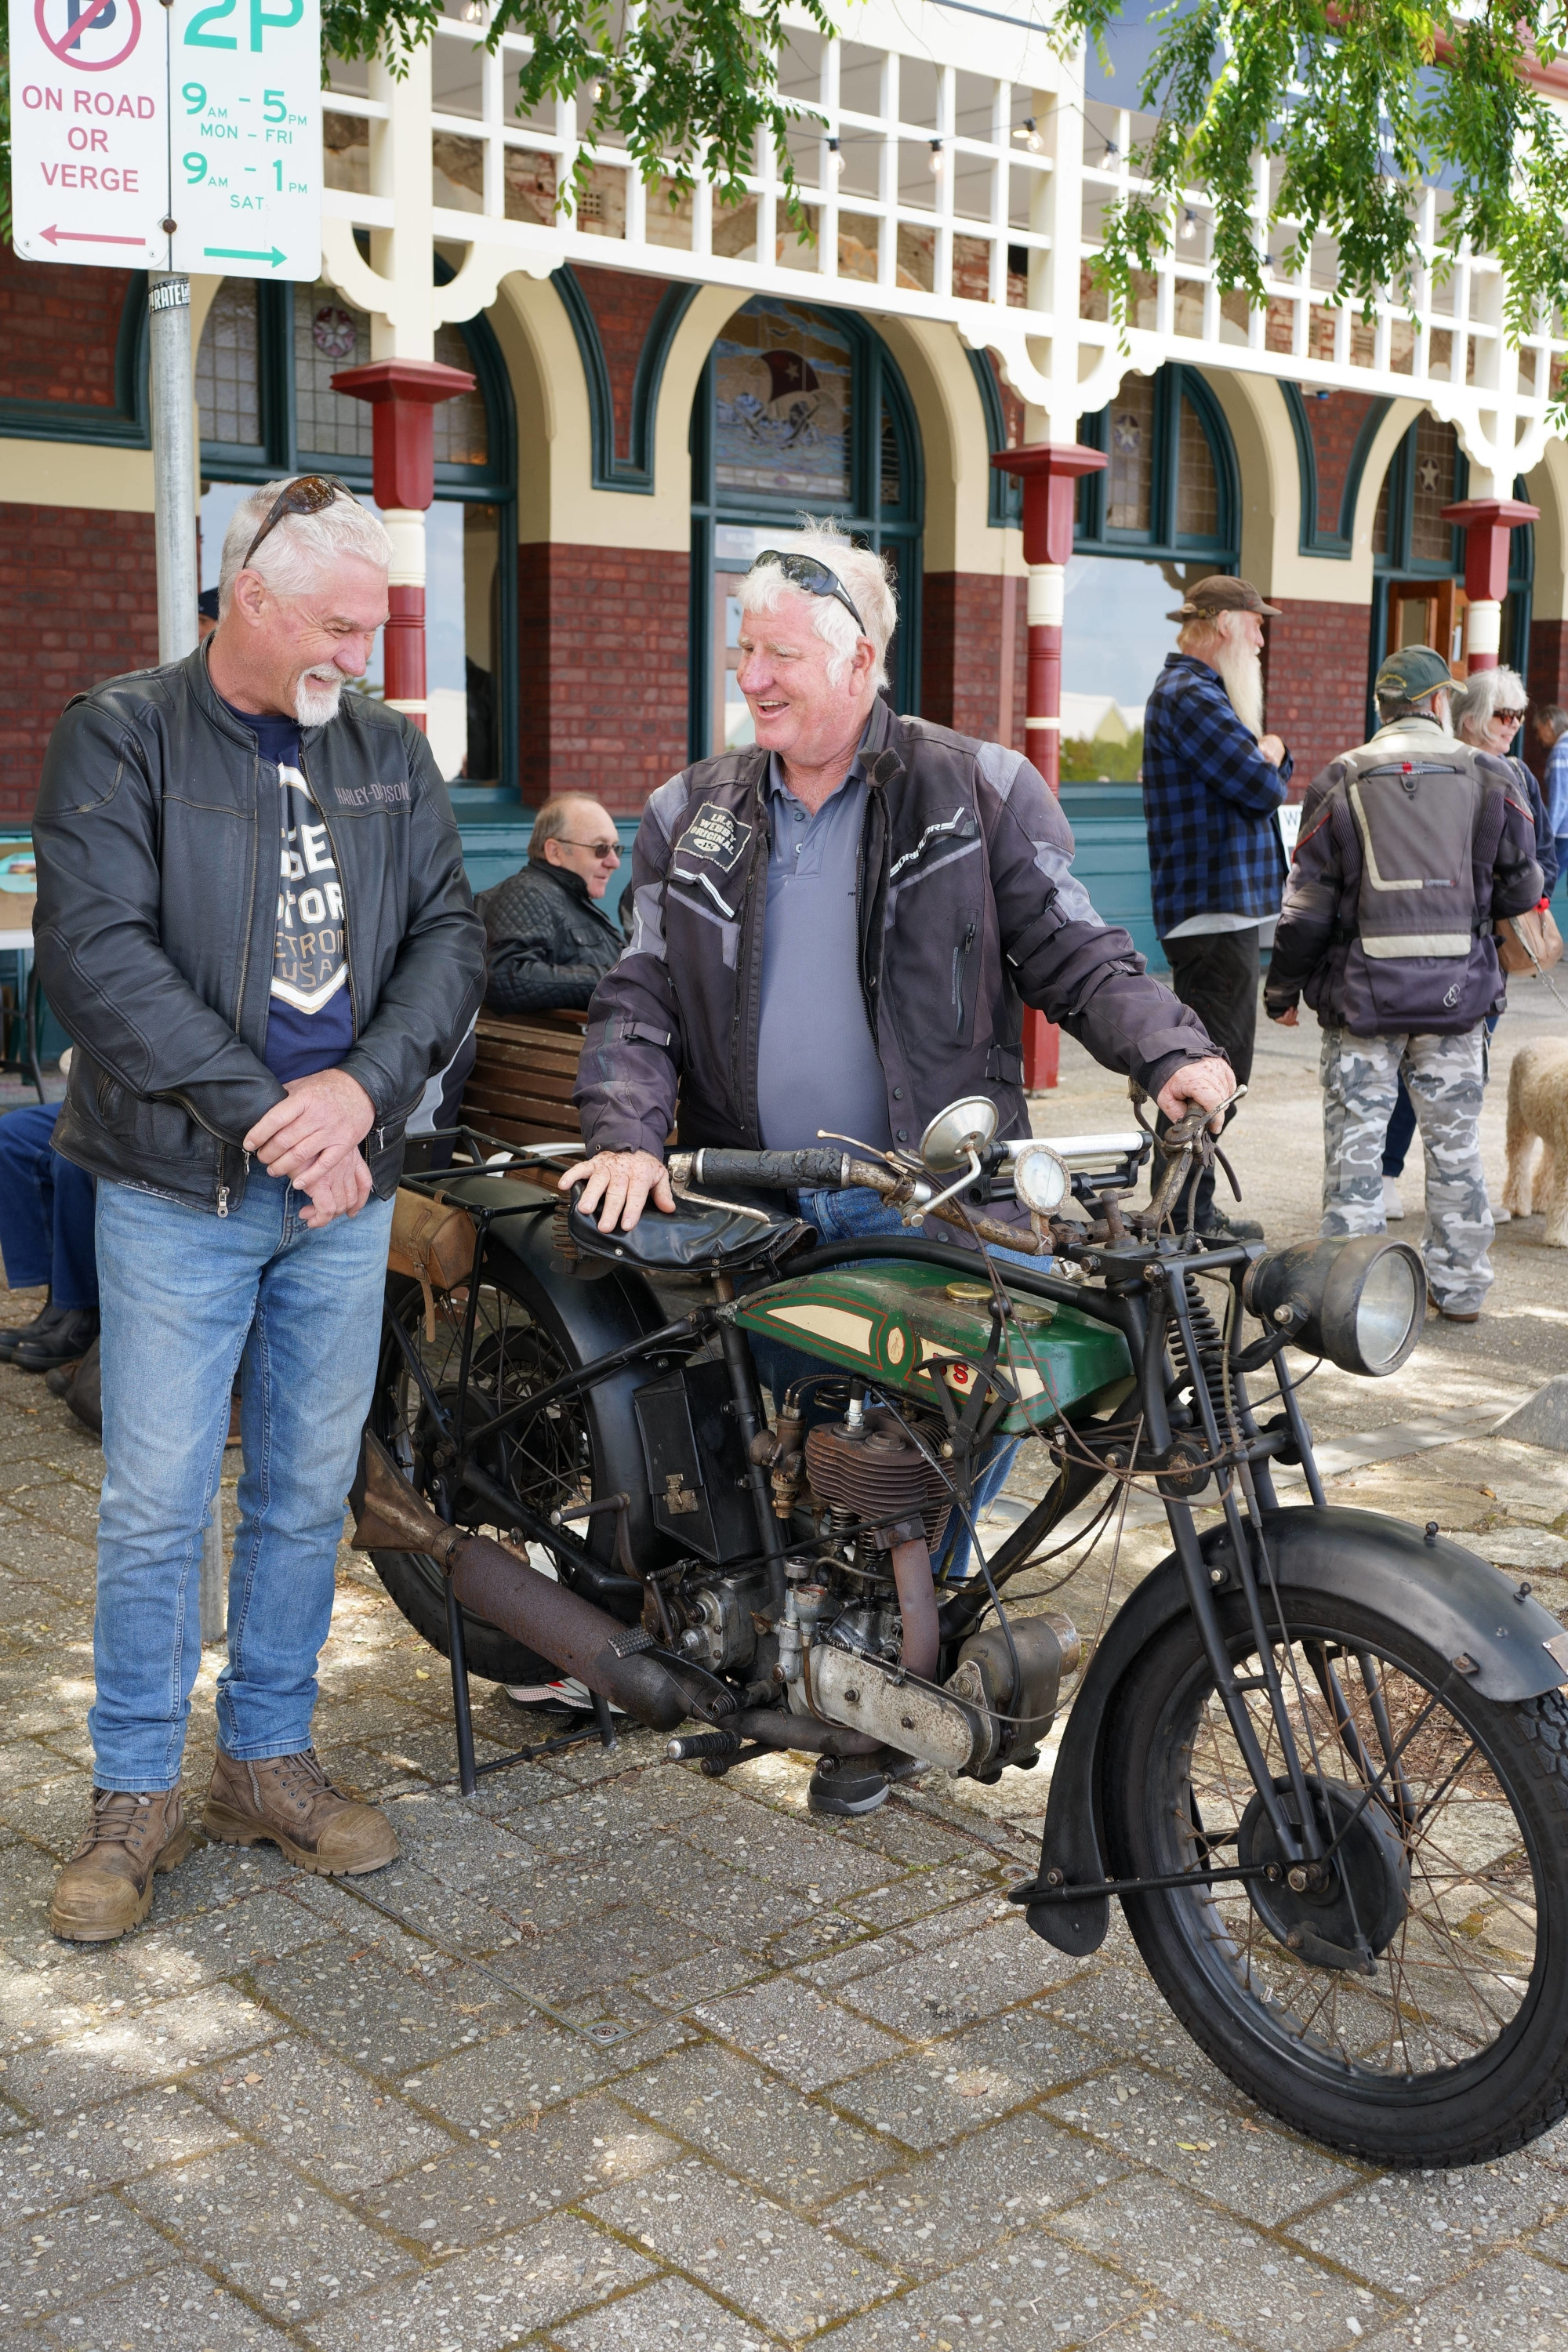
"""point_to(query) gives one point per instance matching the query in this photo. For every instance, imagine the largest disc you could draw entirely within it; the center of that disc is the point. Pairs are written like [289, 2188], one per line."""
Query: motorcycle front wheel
[1452, 2046]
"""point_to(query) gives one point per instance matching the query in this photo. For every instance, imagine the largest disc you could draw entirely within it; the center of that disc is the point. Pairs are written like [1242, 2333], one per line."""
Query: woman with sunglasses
[1489, 711]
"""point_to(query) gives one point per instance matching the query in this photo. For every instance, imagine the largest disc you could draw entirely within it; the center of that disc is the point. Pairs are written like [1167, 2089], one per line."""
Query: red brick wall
[79, 603]
[1335, 423]
[57, 331]
[962, 624]
[603, 671]
[1316, 671]
[623, 305]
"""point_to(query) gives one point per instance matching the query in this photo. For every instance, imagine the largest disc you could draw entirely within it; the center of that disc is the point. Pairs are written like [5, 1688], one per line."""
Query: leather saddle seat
[703, 1237]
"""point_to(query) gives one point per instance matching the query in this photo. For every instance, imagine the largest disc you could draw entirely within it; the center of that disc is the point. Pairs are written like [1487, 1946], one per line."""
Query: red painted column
[402, 394]
[1051, 471]
[1487, 524]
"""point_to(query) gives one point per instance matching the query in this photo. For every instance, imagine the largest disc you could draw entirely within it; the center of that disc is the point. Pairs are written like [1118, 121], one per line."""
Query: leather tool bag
[1529, 942]
[432, 1239]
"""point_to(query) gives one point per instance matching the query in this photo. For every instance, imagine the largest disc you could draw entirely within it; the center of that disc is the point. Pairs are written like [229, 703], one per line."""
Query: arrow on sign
[76, 237]
[228, 253]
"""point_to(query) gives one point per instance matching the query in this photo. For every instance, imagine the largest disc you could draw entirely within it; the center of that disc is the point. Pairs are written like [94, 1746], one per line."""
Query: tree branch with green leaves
[1358, 107]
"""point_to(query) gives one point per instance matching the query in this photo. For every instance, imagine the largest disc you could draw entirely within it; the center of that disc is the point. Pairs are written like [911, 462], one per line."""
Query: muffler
[492, 1583]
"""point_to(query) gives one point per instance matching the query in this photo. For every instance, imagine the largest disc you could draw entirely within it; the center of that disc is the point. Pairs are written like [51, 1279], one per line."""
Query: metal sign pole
[173, 462]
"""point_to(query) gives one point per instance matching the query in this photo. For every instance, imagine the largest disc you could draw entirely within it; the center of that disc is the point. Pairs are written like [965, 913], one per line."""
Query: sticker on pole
[90, 131]
[245, 93]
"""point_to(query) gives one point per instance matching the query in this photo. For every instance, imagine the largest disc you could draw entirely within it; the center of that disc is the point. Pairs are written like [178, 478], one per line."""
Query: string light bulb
[595, 91]
[1028, 132]
[835, 158]
[474, 13]
[1189, 227]
[935, 165]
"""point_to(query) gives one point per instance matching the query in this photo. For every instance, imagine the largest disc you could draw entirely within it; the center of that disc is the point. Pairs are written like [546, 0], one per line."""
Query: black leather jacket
[157, 842]
[550, 944]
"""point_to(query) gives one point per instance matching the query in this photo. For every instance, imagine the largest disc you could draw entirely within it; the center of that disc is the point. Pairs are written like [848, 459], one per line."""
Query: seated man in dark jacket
[550, 941]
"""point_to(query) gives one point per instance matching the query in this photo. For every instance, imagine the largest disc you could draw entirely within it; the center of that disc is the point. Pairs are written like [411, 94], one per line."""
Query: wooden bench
[519, 1089]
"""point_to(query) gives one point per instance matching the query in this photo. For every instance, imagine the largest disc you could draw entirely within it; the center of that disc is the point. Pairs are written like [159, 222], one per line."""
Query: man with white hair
[1212, 783]
[247, 1050]
[837, 928]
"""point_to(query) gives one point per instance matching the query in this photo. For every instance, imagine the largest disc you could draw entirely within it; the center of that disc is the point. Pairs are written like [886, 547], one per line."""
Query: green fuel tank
[908, 1326]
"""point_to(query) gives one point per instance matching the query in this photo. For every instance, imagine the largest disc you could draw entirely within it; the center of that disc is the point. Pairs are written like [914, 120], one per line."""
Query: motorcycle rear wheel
[515, 1350]
[1455, 2050]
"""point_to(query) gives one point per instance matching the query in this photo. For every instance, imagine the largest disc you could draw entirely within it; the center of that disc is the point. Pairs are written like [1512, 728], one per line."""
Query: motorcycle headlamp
[1359, 1300]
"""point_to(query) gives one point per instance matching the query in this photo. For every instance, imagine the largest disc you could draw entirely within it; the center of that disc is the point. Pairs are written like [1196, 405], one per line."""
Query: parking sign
[245, 89]
[185, 137]
[90, 161]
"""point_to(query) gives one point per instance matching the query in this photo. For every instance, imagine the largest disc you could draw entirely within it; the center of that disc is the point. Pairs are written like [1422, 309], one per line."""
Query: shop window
[799, 412]
[264, 376]
[229, 381]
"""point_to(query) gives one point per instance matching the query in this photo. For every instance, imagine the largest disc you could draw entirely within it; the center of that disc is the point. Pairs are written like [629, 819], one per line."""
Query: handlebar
[812, 1169]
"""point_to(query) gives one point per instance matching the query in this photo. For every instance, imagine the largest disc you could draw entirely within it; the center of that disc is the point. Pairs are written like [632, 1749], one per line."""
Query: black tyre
[1454, 2048]
[550, 1464]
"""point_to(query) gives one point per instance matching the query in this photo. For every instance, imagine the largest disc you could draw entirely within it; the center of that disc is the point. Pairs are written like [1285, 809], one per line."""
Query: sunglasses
[308, 496]
[599, 848]
[1513, 718]
[806, 573]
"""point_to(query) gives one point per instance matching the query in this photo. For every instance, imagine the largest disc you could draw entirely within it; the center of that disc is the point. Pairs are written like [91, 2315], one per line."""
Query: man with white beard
[1211, 783]
[254, 923]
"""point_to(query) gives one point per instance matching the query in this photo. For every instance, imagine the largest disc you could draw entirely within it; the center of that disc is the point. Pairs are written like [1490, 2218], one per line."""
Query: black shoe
[66, 1343]
[43, 1322]
[1223, 1231]
[846, 1787]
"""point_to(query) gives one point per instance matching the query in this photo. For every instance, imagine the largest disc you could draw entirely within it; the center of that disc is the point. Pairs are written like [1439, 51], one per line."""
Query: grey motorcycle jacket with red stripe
[967, 912]
[1410, 849]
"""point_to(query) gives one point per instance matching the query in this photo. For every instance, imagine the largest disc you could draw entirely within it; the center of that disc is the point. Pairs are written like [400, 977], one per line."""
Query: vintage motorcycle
[1319, 1757]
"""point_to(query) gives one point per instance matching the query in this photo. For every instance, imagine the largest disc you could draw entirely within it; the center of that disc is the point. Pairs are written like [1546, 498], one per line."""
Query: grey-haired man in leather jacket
[254, 922]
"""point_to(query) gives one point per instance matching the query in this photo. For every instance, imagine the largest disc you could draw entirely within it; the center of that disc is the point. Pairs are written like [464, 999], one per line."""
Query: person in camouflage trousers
[1411, 849]
[1446, 1077]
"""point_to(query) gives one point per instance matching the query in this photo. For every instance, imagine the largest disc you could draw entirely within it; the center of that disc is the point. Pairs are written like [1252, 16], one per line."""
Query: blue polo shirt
[817, 1064]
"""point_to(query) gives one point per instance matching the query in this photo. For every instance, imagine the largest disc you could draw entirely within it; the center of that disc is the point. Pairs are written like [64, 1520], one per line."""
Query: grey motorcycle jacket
[967, 910]
[1410, 848]
[157, 835]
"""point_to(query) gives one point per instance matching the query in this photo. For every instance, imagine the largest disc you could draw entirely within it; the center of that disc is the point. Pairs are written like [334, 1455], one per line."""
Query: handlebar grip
[780, 1170]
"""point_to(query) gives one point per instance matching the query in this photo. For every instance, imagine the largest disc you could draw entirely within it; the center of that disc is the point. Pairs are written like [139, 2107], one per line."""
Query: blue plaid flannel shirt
[1209, 798]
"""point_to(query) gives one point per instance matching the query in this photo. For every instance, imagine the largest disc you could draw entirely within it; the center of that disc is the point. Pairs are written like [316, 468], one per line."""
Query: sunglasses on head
[307, 496]
[805, 572]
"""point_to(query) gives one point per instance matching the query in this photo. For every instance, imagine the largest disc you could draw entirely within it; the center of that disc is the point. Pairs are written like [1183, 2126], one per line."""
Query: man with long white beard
[253, 921]
[1211, 783]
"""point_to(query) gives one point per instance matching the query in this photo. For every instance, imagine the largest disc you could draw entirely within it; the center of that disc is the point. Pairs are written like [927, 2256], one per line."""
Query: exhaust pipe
[504, 1591]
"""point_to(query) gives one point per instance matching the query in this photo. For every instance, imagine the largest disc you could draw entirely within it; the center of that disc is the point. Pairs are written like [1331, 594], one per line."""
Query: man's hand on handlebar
[1198, 1085]
[623, 1182]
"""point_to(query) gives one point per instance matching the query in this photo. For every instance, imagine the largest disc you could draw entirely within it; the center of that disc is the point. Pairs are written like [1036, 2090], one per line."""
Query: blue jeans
[844, 1217]
[185, 1297]
[46, 1212]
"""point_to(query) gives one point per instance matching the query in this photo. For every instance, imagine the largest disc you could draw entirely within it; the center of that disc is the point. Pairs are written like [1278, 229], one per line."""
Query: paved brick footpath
[617, 2059]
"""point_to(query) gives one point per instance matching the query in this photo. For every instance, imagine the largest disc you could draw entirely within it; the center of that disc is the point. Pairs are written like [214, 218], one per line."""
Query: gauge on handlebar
[1040, 1177]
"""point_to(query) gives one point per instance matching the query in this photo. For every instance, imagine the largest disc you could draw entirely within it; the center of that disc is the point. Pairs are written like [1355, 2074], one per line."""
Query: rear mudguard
[595, 1318]
[1453, 1602]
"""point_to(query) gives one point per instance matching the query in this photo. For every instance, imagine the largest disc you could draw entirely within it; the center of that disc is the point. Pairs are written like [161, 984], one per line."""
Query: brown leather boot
[106, 1885]
[289, 1801]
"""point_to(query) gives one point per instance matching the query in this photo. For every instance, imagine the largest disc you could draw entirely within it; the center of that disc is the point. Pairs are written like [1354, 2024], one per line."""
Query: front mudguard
[1456, 1603]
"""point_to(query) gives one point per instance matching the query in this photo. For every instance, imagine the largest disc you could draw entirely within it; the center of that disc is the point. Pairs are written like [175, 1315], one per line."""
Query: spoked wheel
[547, 1463]
[1451, 2045]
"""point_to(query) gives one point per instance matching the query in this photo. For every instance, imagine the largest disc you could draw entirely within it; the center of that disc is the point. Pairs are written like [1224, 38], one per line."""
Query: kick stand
[470, 1773]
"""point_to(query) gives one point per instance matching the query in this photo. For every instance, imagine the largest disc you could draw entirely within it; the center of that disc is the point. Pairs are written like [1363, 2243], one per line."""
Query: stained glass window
[1128, 491]
[782, 403]
[1197, 484]
[1431, 489]
[228, 375]
[329, 335]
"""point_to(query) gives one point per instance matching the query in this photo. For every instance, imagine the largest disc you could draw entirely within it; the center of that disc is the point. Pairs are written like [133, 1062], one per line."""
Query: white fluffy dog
[1538, 1106]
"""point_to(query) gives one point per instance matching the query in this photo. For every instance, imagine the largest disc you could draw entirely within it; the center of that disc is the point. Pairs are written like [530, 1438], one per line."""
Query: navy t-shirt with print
[310, 1027]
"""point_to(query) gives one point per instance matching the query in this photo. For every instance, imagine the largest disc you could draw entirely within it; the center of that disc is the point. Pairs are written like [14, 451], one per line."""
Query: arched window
[264, 371]
[1162, 514]
[799, 411]
[1418, 560]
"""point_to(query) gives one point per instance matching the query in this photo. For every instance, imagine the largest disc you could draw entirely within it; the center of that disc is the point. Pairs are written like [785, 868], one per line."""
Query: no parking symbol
[91, 138]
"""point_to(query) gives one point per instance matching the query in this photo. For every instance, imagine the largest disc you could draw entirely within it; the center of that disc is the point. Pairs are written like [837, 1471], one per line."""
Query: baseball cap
[207, 603]
[1221, 594]
[1413, 672]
